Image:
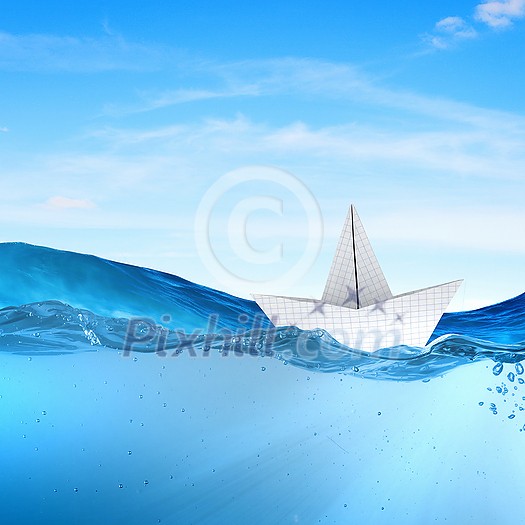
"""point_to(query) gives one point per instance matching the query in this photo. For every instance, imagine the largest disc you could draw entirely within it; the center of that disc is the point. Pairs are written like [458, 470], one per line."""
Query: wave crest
[52, 328]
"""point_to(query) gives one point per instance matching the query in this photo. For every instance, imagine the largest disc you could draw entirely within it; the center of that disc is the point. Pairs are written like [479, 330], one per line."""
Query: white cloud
[496, 14]
[458, 138]
[456, 26]
[449, 31]
[66, 203]
[343, 82]
[178, 96]
[45, 52]
[499, 14]
[256, 78]
[487, 145]
[451, 24]
[4, 129]
[142, 175]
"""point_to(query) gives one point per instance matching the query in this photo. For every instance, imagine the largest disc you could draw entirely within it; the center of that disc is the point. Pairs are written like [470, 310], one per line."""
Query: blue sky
[116, 119]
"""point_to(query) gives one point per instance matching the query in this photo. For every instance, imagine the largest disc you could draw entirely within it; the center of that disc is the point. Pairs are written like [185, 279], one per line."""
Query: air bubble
[510, 377]
[519, 368]
[498, 368]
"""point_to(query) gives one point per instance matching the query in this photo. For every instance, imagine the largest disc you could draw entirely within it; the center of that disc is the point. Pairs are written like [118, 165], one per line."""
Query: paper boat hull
[407, 319]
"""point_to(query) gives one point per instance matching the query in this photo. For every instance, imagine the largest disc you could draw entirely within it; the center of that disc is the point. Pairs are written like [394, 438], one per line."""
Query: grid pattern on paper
[342, 275]
[408, 319]
[340, 289]
[374, 288]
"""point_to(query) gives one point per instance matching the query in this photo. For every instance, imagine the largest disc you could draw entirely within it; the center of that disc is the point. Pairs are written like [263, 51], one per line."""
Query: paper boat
[357, 307]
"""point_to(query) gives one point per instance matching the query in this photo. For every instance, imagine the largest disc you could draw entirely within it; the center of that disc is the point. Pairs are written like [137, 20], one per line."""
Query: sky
[224, 141]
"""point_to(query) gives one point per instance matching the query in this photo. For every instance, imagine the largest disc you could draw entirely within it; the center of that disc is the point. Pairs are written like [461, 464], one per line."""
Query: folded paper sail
[357, 307]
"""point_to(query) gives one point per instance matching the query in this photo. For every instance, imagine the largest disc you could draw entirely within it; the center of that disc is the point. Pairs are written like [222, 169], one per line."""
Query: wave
[57, 302]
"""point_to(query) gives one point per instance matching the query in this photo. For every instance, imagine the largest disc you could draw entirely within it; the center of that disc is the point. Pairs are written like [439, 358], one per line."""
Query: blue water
[130, 395]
